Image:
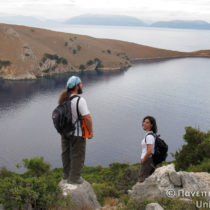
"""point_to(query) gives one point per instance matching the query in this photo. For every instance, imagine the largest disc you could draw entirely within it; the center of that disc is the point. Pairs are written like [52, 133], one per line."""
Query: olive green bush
[37, 187]
[195, 151]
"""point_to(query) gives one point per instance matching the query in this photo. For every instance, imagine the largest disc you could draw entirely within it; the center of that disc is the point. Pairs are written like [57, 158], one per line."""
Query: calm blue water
[175, 92]
[166, 38]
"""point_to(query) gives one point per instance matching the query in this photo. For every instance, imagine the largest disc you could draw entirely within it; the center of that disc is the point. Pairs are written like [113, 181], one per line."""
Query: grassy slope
[17, 41]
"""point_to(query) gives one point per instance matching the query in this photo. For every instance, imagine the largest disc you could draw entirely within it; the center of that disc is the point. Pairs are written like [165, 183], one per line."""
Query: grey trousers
[73, 157]
[146, 169]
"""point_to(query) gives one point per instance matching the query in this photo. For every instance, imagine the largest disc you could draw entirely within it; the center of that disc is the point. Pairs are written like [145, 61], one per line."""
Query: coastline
[158, 59]
[133, 61]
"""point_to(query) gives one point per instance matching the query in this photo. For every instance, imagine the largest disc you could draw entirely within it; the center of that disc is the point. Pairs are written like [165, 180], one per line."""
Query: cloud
[143, 9]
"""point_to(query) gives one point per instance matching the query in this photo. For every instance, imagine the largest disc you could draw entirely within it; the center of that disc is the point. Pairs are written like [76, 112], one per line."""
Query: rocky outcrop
[153, 206]
[82, 195]
[165, 181]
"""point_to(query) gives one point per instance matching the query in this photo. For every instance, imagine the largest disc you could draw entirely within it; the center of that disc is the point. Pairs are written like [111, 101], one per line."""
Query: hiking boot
[78, 181]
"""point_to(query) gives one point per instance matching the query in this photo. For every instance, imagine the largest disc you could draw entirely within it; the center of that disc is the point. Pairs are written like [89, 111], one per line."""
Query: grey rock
[175, 179]
[1, 207]
[81, 194]
[165, 181]
[153, 206]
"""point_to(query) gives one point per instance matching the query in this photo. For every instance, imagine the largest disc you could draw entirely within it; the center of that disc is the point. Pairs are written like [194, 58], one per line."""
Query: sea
[176, 92]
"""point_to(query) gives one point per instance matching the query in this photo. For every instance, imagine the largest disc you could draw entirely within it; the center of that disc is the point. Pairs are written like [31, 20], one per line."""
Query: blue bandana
[72, 82]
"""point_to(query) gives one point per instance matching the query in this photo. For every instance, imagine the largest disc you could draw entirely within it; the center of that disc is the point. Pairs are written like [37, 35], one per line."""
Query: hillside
[28, 53]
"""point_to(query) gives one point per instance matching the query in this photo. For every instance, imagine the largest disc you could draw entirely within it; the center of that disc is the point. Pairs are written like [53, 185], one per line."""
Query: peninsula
[30, 53]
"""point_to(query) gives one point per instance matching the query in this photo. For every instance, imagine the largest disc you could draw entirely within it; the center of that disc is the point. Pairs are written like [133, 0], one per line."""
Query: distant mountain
[27, 21]
[107, 20]
[111, 20]
[197, 24]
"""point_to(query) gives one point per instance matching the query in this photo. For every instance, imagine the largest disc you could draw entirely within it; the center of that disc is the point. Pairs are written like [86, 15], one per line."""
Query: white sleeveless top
[150, 140]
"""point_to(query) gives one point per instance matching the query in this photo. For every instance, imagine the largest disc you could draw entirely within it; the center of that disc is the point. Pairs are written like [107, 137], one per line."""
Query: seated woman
[148, 145]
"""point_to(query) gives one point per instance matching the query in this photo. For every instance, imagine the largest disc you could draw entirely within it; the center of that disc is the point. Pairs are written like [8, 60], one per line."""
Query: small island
[30, 53]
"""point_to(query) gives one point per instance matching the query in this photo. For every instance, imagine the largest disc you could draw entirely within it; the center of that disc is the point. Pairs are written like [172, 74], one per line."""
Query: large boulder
[82, 195]
[165, 181]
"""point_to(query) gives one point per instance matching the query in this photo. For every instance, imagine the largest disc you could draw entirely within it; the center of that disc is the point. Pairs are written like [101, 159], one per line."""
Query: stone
[175, 179]
[165, 181]
[81, 194]
[153, 206]
[1, 207]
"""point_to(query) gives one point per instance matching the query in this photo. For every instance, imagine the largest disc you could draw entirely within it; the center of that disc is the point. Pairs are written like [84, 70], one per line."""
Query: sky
[146, 10]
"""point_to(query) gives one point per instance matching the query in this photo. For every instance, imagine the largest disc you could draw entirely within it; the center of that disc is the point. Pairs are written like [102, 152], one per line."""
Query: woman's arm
[149, 152]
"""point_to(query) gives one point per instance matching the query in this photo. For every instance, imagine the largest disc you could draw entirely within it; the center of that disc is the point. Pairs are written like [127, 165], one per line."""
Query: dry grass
[24, 47]
[110, 204]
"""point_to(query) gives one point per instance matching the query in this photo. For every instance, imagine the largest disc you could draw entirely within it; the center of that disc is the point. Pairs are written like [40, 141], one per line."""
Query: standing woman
[148, 145]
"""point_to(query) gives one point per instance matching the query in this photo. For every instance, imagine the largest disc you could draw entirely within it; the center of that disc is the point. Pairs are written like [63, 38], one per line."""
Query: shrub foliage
[196, 153]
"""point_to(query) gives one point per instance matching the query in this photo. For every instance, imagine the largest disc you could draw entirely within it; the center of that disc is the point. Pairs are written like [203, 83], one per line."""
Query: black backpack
[62, 118]
[161, 149]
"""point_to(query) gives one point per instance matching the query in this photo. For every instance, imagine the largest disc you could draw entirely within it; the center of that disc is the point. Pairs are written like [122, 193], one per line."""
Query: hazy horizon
[145, 10]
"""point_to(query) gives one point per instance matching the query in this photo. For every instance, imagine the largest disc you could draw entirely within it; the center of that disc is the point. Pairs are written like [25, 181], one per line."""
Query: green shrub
[97, 60]
[195, 151]
[166, 203]
[36, 166]
[66, 44]
[79, 47]
[51, 57]
[46, 70]
[90, 62]
[122, 176]
[109, 51]
[95, 174]
[100, 65]
[4, 63]
[82, 67]
[5, 173]
[62, 60]
[37, 187]
[74, 51]
[105, 190]
[26, 54]
[201, 167]
[54, 57]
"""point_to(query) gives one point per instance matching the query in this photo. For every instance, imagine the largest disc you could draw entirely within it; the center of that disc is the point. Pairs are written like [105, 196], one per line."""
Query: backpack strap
[71, 98]
[74, 96]
[153, 134]
[78, 114]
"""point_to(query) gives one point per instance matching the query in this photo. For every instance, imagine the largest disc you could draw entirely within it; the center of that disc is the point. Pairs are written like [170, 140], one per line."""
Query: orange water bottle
[85, 131]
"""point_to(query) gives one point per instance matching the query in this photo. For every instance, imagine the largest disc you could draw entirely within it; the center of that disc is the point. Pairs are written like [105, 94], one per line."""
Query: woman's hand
[149, 152]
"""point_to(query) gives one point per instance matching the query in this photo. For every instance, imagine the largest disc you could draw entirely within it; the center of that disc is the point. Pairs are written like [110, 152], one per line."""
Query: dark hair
[65, 95]
[153, 122]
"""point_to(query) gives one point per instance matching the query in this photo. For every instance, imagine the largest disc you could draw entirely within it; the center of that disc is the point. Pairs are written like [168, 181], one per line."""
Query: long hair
[65, 95]
[152, 121]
